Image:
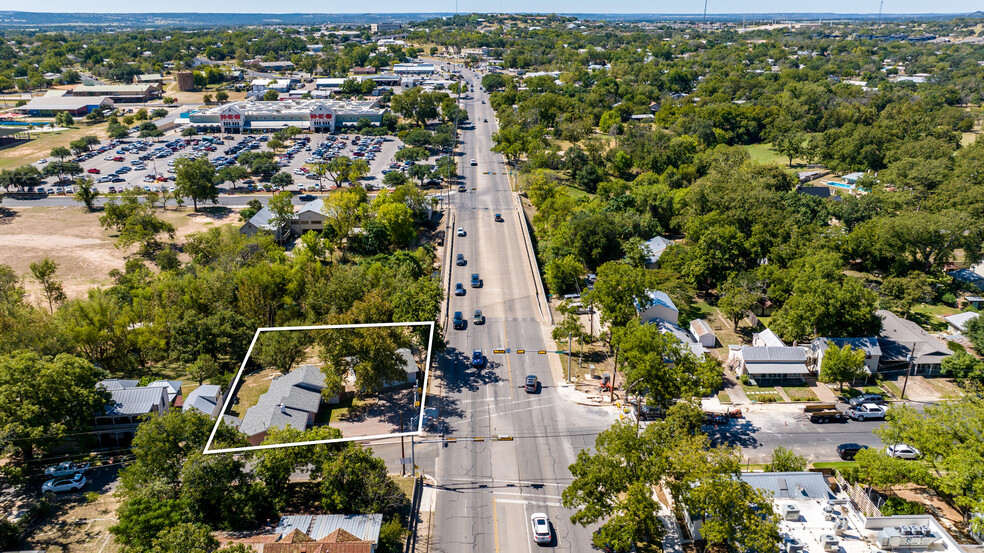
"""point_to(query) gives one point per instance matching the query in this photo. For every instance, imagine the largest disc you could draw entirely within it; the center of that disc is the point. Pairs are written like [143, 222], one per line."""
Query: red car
[118, 158]
[94, 171]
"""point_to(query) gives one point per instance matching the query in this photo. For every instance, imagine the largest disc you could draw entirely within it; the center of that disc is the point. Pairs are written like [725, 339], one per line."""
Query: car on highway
[541, 528]
[485, 120]
[498, 217]
[902, 451]
[849, 450]
[458, 321]
[462, 188]
[476, 282]
[473, 163]
[459, 290]
[63, 485]
[478, 359]
[867, 398]
[461, 231]
[478, 319]
[460, 260]
[306, 197]
[532, 384]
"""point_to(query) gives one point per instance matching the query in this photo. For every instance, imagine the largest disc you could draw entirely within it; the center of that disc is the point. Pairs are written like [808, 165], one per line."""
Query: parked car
[902, 451]
[68, 468]
[93, 171]
[459, 290]
[458, 321]
[848, 451]
[306, 197]
[478, 319]
[63, 485]
[867, 398]
[478, 359]
[541, 528]
[866, 411]
[532, 384]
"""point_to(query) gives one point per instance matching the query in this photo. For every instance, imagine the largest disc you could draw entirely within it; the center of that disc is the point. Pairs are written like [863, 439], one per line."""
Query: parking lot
[147, 164]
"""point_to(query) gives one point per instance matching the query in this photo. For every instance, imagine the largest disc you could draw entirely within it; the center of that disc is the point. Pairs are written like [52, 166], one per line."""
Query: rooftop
[771, 354]
[899, 335]
[292, 106]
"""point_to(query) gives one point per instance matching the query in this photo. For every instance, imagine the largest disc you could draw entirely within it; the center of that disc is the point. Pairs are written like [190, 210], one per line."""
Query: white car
[461, 231]
[42, 161]
[541, 528]
[108, 158]
[902, 451]
[62, 485]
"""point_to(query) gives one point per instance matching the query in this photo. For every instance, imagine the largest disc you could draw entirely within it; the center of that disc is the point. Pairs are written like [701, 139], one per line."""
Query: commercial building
[149, 78]
[316, 115]
[414, 68]
[384, 27]
[118, 92]
[57, 101]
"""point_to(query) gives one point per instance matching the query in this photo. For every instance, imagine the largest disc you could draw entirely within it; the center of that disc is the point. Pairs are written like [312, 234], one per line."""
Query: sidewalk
[734, 389]
[824, 393]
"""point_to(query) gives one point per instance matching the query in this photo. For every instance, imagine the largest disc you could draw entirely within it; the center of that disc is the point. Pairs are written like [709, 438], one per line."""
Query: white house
[703, 332]
[660, 307]
[767, 338]
[654, 248]
[960, 321]
[206, 398]
[772, 363]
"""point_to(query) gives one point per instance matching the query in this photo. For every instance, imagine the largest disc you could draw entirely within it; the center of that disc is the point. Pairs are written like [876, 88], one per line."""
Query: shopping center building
[317, 115]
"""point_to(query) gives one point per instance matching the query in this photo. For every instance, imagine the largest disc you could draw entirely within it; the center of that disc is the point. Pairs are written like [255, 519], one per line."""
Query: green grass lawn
[723, 397]
[892, 387]
[839, 465]
[336, 412]
[800, 393]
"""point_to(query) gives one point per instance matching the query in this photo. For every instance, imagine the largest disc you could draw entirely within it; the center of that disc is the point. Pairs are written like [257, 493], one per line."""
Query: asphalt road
[486, 491]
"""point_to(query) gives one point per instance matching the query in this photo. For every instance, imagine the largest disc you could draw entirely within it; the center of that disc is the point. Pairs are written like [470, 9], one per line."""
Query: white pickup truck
[867, 411]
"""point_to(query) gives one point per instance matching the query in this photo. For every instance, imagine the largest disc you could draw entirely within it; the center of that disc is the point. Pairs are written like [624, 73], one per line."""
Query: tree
[411, 154]
[158, 113]
[149, 130]
[45, 399]
[842, 364]
[204, 368]
[221, 96]
[618, 290]
[908, 290]
[142, 518]
[271, 96]
[281, 349]
[399, 223]
[394, 179]
[420, 172]
[964, 368]
[786, 460]
[44, 272]
[790, 145]
[282, 180]
[494, 82]
[86, 193]
[186, 537]
[281, 210]
[275, 144]
[738, 297]
[60, 152]
[195, 179]
[562, 274]
[356, 481]
[207, 98]
[233, 174]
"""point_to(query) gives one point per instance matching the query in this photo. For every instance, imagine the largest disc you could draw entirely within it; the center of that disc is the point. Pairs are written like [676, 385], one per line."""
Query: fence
[860, 496]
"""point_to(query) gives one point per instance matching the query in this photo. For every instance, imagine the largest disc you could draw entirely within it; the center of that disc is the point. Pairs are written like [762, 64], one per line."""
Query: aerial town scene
[492, 277]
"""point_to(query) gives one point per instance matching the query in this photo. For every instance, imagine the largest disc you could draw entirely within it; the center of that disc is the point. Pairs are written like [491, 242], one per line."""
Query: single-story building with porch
[903, 341]
[772, 363]
[660, 307]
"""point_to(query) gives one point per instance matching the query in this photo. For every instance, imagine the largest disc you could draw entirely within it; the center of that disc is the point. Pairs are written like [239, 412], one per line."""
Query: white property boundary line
[242, 367]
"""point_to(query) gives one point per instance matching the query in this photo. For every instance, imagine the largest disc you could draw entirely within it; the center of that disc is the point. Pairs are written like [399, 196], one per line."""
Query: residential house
[903, 342]
[976, 302]
[872, 351]
[852, 178]
[173, 388]
[767, 338]
[262, 222]
[660, 307]
[206, 398]
[116, 424]
[293, 399]
[315, 534]
[684, 337]
[310, 216]
[654, 248]
[409, 365]
[960, 321]
[703, 332]
[770, 363]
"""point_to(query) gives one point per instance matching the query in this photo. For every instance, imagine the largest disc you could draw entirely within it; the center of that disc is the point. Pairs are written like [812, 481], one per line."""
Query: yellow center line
[495, 527]
[508, 366]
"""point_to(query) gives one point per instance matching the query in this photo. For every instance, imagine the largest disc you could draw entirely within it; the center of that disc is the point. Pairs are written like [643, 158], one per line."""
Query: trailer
[831, 415]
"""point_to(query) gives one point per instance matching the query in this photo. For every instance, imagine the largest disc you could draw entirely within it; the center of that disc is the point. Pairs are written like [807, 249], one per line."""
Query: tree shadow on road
[738, 432]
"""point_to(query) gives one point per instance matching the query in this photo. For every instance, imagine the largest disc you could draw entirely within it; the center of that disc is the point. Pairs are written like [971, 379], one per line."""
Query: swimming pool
[840, 185]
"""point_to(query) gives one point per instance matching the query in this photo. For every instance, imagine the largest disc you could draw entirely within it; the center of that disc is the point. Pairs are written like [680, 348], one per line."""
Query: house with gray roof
[262, 222]
[654, 248]
[872, 351]
[685, 338]
[310, 216]
[960, 321]
[206, 398]
[902, 341]
[293, 400]
[173, 388]
[129, 403]
[772, 363]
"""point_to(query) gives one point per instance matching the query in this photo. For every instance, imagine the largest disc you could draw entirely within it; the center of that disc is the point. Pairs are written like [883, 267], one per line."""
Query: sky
[485, 6]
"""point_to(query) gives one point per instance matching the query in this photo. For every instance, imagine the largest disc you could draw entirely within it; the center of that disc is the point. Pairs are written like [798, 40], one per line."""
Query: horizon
[965, 9]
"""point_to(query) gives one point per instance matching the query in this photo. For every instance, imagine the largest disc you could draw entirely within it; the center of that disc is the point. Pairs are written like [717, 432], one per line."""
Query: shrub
[898, 506]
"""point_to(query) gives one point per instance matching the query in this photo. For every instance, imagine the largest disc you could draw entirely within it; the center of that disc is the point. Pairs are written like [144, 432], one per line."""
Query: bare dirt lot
[77, 526]
[85, 253]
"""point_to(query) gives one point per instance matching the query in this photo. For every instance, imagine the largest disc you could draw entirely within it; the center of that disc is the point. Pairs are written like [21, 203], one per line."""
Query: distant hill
[15, 19]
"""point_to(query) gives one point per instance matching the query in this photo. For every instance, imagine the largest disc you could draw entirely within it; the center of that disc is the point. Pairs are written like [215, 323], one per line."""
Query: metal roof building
[790, 485]
[364, 527]
[49, 105]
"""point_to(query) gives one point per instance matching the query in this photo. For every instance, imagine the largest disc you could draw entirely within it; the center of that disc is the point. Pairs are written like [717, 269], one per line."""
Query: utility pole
[403, 451]
[570, 355]
[908, 369]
